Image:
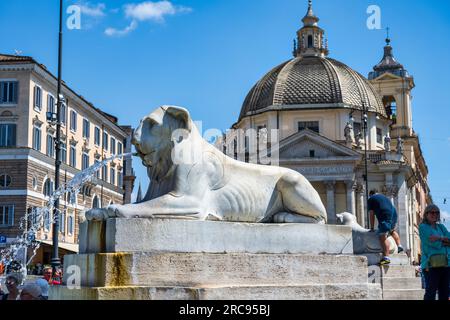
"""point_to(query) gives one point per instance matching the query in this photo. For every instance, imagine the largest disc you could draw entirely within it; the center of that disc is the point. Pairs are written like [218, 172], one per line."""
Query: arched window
[310, 41]
[95, 203]
[391, 108]
[48, 188]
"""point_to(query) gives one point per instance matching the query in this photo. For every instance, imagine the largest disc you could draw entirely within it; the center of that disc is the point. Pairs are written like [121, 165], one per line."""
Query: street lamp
[56, 262]
[365, 119]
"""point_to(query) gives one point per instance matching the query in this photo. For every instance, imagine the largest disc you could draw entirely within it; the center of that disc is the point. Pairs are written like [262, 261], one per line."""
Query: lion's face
[153, 139]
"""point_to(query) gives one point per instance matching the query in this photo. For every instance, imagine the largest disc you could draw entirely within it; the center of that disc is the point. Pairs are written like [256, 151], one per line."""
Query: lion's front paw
[96, 215]
[115, 211]
[112, 211]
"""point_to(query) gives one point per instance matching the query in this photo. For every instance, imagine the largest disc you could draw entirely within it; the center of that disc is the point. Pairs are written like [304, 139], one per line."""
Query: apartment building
[27, 153]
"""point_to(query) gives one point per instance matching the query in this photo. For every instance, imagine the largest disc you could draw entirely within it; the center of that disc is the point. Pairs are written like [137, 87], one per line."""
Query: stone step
[300, 292]
[403, 294]
[396, 259]
[401, 283]
[396, 271]
[205, 269]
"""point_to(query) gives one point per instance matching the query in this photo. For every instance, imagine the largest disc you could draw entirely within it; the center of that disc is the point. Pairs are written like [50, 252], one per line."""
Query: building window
[312, 153]
[86, 129]
[50, 146]
[8, 92]
[70, 225]
[113, 146]
[105, 173]
[51, 103]
[105, 141]
[97, 136]
[112, 178]
[7, 135]
[311, 125]
[37, 138]
[48, 188]
[120, 179]
[95, 203]
[97, 173]
[5, 181]
[71, 198]
[379, 136]
[119, 148]
[63, 152]
[73, 156]
[34, 183]
[85, 161]
[310, 41]
[47, 220]
[62, 222]
[357, 127]
[63, 113]
[37, 98]
[6, 215]
[33, 215]
[73, 121]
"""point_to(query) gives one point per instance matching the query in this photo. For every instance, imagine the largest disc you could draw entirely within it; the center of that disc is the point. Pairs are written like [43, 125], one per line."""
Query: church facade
[345, 133]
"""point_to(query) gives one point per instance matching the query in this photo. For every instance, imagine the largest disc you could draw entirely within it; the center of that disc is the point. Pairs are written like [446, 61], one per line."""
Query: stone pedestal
[180, 259]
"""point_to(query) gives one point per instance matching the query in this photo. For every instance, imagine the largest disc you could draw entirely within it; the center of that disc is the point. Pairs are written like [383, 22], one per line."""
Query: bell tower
[394, 85]
[310, 38]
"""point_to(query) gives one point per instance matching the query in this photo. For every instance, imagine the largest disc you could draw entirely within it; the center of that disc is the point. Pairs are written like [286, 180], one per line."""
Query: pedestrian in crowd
[31, 291]
[47, 274]
[43, 284]
[435, 241]
[381, 207]
[55, 279]
[12, 282]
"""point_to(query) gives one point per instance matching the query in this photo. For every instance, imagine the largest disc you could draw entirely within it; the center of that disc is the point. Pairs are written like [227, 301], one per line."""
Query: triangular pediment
[387, 76]
[301, 144]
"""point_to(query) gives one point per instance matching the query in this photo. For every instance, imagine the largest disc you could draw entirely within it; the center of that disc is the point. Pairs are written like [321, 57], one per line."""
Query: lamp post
[56, 262]
[366, 173]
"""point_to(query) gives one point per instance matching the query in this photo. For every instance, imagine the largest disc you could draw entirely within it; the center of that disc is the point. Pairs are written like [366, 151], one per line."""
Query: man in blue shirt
[381, 207]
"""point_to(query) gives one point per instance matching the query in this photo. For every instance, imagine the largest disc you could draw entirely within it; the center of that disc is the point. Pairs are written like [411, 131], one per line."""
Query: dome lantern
[310, 38]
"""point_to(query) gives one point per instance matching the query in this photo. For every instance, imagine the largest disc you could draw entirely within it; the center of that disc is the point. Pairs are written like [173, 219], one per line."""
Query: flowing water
[27, 239]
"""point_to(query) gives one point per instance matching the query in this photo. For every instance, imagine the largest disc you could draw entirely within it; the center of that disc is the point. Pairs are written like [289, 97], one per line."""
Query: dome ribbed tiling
[309, 82]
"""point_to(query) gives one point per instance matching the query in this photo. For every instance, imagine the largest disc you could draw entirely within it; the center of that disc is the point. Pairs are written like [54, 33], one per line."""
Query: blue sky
[130, 57]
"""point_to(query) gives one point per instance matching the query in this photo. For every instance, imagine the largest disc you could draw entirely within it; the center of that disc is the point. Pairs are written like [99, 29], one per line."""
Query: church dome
[312, 80]
[309, 82]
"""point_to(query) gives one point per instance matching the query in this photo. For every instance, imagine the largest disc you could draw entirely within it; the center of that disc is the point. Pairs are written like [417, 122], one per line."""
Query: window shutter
[13, 141]
[15, 92]
[2, 84]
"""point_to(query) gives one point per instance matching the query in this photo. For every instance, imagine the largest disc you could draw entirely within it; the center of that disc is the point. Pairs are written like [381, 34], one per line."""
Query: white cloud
[146, 11]
[153, 11]
[93, 10]
[112, 32]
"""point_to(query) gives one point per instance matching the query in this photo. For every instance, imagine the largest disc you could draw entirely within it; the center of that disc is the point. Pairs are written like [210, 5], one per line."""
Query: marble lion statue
[192, 179]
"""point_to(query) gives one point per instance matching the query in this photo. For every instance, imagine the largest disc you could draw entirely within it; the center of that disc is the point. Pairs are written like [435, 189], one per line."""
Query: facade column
[361, 206]
[331, 203]
[351, 203]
